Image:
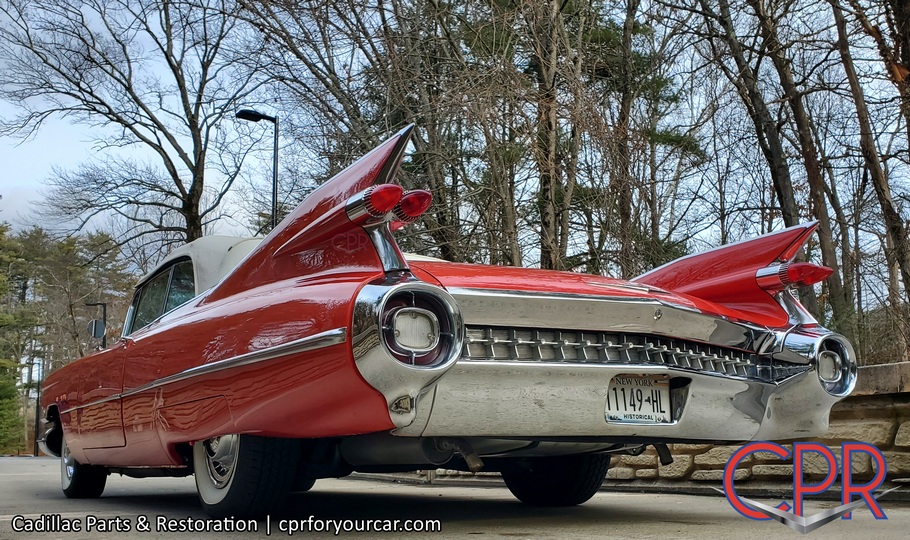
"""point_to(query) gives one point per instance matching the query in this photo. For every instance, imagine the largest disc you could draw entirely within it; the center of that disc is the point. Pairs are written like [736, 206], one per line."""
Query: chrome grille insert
[489, 343]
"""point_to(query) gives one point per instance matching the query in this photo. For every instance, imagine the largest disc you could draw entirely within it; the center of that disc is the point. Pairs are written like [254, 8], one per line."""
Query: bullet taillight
[381, 199]
[789, 274]
[412, 205]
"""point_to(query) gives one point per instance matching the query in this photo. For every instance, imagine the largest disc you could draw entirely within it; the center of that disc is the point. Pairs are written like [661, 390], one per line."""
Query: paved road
[30, 487]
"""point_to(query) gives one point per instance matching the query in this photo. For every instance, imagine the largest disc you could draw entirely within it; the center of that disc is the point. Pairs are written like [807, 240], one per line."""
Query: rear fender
[318, 234]
[727, 276]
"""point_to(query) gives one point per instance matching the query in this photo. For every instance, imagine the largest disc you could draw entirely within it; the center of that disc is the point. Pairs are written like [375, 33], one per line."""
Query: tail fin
[262, 266]
[730, 275]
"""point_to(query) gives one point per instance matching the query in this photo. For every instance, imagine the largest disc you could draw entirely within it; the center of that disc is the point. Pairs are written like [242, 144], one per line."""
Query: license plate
[639, 399]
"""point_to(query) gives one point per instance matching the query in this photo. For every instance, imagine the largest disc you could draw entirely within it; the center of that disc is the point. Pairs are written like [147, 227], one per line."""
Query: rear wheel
[244, 476]
[557, 481]
[80, 481]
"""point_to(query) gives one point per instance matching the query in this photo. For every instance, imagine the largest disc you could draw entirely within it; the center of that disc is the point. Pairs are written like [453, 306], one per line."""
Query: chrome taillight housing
[835, 364]
[418, 327]
[831, 355]
[405, 335]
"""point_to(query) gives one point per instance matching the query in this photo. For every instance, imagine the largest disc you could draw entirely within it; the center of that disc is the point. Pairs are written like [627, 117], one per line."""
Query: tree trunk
[896, 302]
[193, 220]
[621, 182]
[896, 59]
[894, 225]
[746, 82]
[841, 305]
[546, 34]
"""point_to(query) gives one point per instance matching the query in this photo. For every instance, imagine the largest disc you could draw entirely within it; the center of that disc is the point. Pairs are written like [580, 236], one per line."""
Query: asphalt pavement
[30, 500]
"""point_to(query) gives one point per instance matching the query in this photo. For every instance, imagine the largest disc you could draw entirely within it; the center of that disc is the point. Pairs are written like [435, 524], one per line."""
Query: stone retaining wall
[703, 462]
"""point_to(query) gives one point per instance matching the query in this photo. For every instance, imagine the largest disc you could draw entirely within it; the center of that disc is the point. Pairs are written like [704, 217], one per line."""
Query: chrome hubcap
[220, 456]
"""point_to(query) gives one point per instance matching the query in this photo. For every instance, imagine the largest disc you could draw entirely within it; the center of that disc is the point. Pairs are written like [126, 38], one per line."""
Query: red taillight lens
[778, 277]
[413, 204]
[382, 199]
[804, 274]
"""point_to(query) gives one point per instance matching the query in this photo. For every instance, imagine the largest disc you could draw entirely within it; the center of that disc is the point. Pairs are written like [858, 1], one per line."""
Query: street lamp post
[103, 321]
[38, 410]
[255, 116]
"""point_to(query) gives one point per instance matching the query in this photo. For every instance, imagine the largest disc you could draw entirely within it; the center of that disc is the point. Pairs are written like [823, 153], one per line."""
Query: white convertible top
[215, 256]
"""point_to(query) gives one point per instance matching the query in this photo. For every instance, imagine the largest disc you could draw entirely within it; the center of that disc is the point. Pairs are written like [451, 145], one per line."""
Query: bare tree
[154, 75]
[893, 43]
[725, 41]
[353, 71]
[841, 303]
[898, 246]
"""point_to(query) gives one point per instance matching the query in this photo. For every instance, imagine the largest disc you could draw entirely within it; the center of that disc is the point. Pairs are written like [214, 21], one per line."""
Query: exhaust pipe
[385, 449]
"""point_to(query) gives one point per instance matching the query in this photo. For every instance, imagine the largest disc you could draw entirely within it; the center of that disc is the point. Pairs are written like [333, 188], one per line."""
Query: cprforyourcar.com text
[162, 524]
[338, 526]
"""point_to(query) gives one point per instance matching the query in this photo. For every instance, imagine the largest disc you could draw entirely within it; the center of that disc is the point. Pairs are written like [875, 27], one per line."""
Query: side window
[183, 287]
[151, 300]
[169, 289]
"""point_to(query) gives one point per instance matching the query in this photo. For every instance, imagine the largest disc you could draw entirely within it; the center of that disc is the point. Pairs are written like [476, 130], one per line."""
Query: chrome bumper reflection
[546, 399]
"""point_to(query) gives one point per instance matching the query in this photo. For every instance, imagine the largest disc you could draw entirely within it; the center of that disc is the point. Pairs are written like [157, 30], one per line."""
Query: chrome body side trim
[309, 343]
[113, 397]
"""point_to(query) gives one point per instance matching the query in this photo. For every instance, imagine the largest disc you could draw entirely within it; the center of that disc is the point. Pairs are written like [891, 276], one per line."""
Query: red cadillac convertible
[261, 365]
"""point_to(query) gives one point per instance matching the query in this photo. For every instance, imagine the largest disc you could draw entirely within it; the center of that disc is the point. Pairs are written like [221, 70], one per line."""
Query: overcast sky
[25, 164]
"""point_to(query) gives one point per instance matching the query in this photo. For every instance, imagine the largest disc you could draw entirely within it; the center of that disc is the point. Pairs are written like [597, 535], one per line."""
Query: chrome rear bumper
[535, 366]
[550, 400]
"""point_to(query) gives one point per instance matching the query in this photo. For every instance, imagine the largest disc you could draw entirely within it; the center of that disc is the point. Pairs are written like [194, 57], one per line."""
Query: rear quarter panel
[316, 393]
